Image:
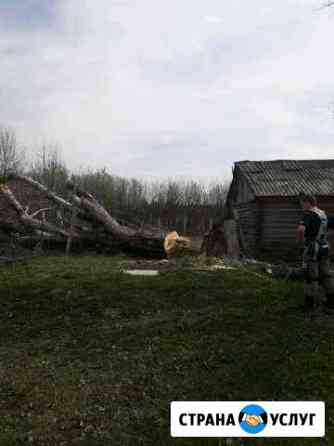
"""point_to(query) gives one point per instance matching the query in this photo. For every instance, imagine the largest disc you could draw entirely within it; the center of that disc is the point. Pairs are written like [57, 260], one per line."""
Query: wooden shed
[264, 199]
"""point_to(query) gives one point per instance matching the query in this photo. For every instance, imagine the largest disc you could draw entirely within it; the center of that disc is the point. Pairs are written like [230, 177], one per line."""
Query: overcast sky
[158, 88]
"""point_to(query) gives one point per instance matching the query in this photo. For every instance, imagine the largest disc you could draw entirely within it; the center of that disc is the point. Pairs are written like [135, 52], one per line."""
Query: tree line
[190, 207]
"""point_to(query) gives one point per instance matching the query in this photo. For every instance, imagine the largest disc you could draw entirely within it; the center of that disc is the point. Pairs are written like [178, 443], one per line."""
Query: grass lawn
[91, 356]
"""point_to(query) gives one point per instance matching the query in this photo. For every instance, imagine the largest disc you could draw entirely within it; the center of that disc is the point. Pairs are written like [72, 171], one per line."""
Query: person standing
[313, 232]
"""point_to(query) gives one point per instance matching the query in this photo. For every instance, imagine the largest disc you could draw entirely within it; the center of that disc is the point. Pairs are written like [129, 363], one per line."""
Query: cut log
[175, 245]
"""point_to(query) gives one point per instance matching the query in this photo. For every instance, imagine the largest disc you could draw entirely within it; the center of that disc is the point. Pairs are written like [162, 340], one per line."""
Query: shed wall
[248, 221]
[278, 227]
[269, 227]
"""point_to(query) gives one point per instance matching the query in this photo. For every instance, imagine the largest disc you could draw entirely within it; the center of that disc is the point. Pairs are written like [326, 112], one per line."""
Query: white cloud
[213, 19]
[126, 84]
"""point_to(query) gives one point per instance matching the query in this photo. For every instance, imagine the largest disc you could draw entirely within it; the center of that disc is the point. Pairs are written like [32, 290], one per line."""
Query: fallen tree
[83, 220]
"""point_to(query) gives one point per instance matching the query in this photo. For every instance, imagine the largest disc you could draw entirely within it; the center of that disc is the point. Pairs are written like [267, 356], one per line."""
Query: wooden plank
[232, 239]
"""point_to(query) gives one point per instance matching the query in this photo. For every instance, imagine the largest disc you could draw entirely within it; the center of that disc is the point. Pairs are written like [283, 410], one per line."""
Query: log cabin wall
[269, 227]
[241, 198]
[248, 221]
[278, 224]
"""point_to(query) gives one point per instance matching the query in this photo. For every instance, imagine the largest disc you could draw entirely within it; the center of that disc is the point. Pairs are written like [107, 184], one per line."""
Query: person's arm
[301, 233]
[301, 229]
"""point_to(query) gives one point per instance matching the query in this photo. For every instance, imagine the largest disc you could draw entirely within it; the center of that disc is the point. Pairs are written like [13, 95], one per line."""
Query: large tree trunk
[103, 229]
[144, 239]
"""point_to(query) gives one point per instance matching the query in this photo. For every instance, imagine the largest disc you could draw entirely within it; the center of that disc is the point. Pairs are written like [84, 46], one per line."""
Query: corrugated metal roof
[289, 177]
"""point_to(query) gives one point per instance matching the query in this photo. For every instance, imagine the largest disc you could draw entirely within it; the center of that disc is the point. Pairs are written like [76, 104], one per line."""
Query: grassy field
[91, 356]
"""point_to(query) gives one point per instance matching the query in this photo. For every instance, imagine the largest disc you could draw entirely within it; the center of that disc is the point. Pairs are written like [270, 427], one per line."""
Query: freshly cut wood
[176, 245]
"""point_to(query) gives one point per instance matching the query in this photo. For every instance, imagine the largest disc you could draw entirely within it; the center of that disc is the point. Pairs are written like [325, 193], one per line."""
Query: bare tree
[11, 155]
[217, 194]
[50, 169]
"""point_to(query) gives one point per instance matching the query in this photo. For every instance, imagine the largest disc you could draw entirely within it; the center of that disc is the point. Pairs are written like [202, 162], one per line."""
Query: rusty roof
[289, 177]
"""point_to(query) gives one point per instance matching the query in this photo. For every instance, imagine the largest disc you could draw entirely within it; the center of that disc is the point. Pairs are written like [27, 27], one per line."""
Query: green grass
[91, 356]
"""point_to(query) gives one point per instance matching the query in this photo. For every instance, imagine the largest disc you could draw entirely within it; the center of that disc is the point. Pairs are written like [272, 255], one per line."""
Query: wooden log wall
[248, 215]
[278, 230]
[269, 227]
[278, 225]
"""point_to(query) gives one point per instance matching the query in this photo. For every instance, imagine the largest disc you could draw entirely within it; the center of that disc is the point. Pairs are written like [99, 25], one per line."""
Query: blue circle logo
[253, 419]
